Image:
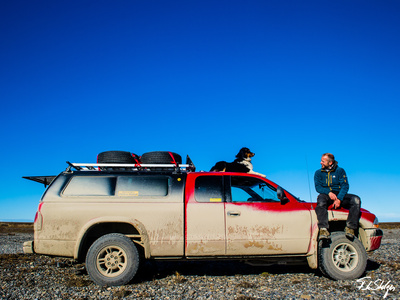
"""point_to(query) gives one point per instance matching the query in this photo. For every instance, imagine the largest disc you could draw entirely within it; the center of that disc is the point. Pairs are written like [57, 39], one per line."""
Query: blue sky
[288, 79]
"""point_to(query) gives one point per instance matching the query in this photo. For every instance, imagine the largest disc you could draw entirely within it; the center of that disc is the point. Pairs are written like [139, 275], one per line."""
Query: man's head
[327, 160]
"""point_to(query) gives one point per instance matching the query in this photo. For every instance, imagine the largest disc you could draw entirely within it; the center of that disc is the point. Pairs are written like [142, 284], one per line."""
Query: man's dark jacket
[332, 180]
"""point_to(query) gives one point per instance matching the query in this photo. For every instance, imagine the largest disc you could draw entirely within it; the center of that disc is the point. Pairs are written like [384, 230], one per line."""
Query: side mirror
[280, 192]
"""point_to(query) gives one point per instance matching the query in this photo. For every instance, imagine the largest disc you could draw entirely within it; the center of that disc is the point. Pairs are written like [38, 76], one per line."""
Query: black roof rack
[188, 167]
[178, 168]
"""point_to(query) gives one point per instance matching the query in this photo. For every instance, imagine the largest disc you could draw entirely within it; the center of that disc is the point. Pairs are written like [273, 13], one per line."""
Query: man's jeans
[350, 202]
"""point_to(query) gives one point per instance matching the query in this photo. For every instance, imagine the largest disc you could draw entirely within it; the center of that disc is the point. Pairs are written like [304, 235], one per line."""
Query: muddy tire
[341, 258]
[112, 260]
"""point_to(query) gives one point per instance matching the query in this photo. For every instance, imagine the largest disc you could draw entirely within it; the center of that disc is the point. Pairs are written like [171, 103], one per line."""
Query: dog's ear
[242, 153]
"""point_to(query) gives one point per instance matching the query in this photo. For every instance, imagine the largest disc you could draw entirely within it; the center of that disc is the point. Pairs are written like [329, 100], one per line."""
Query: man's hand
[332, 196]
[336, 203]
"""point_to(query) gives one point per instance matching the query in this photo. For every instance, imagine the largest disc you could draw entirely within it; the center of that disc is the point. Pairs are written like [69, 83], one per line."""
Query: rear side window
[146, 186]
[122, 186]
[90, 186]
[209, 189]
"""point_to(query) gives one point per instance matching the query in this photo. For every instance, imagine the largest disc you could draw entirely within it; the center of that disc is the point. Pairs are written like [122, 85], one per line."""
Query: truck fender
[312, 254]
[143, 241]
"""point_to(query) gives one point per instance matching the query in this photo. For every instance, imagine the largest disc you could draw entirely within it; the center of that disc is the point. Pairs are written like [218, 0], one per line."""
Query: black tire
[112, 260]
[121, 157]
[341, 258]
[161, 157]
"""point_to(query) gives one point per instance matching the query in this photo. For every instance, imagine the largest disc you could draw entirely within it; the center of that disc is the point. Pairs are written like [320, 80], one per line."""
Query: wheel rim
[111, 261]
[345, 257]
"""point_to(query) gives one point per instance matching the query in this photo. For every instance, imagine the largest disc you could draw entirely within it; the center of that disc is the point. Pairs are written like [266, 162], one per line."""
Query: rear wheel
[112, 260]
[341, 258]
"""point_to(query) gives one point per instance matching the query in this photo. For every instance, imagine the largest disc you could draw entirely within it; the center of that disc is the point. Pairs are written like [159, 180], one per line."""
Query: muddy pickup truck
[114, 216]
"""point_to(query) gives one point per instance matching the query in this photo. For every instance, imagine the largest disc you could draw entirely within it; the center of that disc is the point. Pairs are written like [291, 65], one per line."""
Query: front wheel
[112, 260]
[341, 258]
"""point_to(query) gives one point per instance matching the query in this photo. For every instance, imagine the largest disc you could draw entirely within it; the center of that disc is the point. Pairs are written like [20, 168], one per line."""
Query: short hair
[330, 156]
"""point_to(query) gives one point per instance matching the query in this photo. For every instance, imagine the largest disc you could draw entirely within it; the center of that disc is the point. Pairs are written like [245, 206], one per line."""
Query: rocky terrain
[41, 277]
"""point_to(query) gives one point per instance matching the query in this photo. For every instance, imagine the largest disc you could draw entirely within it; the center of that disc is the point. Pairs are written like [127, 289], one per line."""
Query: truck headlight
[376, 222]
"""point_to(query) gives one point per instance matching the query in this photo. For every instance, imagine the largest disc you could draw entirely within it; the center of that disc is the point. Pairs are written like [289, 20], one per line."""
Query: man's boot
[349, 233]
[324, 233]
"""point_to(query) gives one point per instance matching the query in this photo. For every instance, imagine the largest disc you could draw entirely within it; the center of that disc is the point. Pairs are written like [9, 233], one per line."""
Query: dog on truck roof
[241, 164]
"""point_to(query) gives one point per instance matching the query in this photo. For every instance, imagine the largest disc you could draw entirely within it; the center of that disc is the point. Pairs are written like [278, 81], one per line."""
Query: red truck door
[229, 214]
[258, 224]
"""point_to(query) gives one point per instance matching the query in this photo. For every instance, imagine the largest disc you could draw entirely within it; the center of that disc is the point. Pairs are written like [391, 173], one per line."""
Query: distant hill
[389, 225]
[16, 227]
[16, 220]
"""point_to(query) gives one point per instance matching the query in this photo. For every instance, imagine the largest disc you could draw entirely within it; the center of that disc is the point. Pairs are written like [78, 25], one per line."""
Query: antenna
[308, 177]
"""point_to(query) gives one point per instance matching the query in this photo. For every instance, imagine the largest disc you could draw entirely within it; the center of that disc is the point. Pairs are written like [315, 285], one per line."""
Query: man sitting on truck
[332, 185]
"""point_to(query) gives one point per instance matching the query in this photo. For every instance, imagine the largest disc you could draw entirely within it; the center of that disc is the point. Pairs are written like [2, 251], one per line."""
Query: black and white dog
[241, 164]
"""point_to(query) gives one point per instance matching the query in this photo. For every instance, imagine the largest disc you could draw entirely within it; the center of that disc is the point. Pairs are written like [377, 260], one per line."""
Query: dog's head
[244, 153]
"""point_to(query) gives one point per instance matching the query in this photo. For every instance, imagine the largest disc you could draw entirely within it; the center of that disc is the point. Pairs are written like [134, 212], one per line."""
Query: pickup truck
[114, 216]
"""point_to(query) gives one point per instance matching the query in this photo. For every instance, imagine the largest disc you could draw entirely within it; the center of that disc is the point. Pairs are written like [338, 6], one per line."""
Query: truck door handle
[234, 213]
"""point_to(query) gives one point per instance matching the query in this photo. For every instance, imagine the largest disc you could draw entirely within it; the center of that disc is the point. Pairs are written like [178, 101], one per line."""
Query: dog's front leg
[256, 173]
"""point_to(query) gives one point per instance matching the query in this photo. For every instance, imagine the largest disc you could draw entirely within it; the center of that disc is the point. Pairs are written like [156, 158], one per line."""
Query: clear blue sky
[288, 79]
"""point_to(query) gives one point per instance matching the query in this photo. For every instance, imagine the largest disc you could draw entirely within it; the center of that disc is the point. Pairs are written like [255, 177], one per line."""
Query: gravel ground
[41, 277]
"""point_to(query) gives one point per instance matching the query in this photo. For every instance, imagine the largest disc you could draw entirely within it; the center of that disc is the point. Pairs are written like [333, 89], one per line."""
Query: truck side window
[250, 189]
[90, 186]
[208, 189]
[146, 186]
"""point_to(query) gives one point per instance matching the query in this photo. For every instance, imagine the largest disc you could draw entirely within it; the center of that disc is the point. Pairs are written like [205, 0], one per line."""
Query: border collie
[241, 164]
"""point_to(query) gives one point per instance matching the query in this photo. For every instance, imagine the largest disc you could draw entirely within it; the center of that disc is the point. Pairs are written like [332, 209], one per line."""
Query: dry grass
[76, 281]
[246, 285]
[15, 227]
[178, 278]
[389, 225]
